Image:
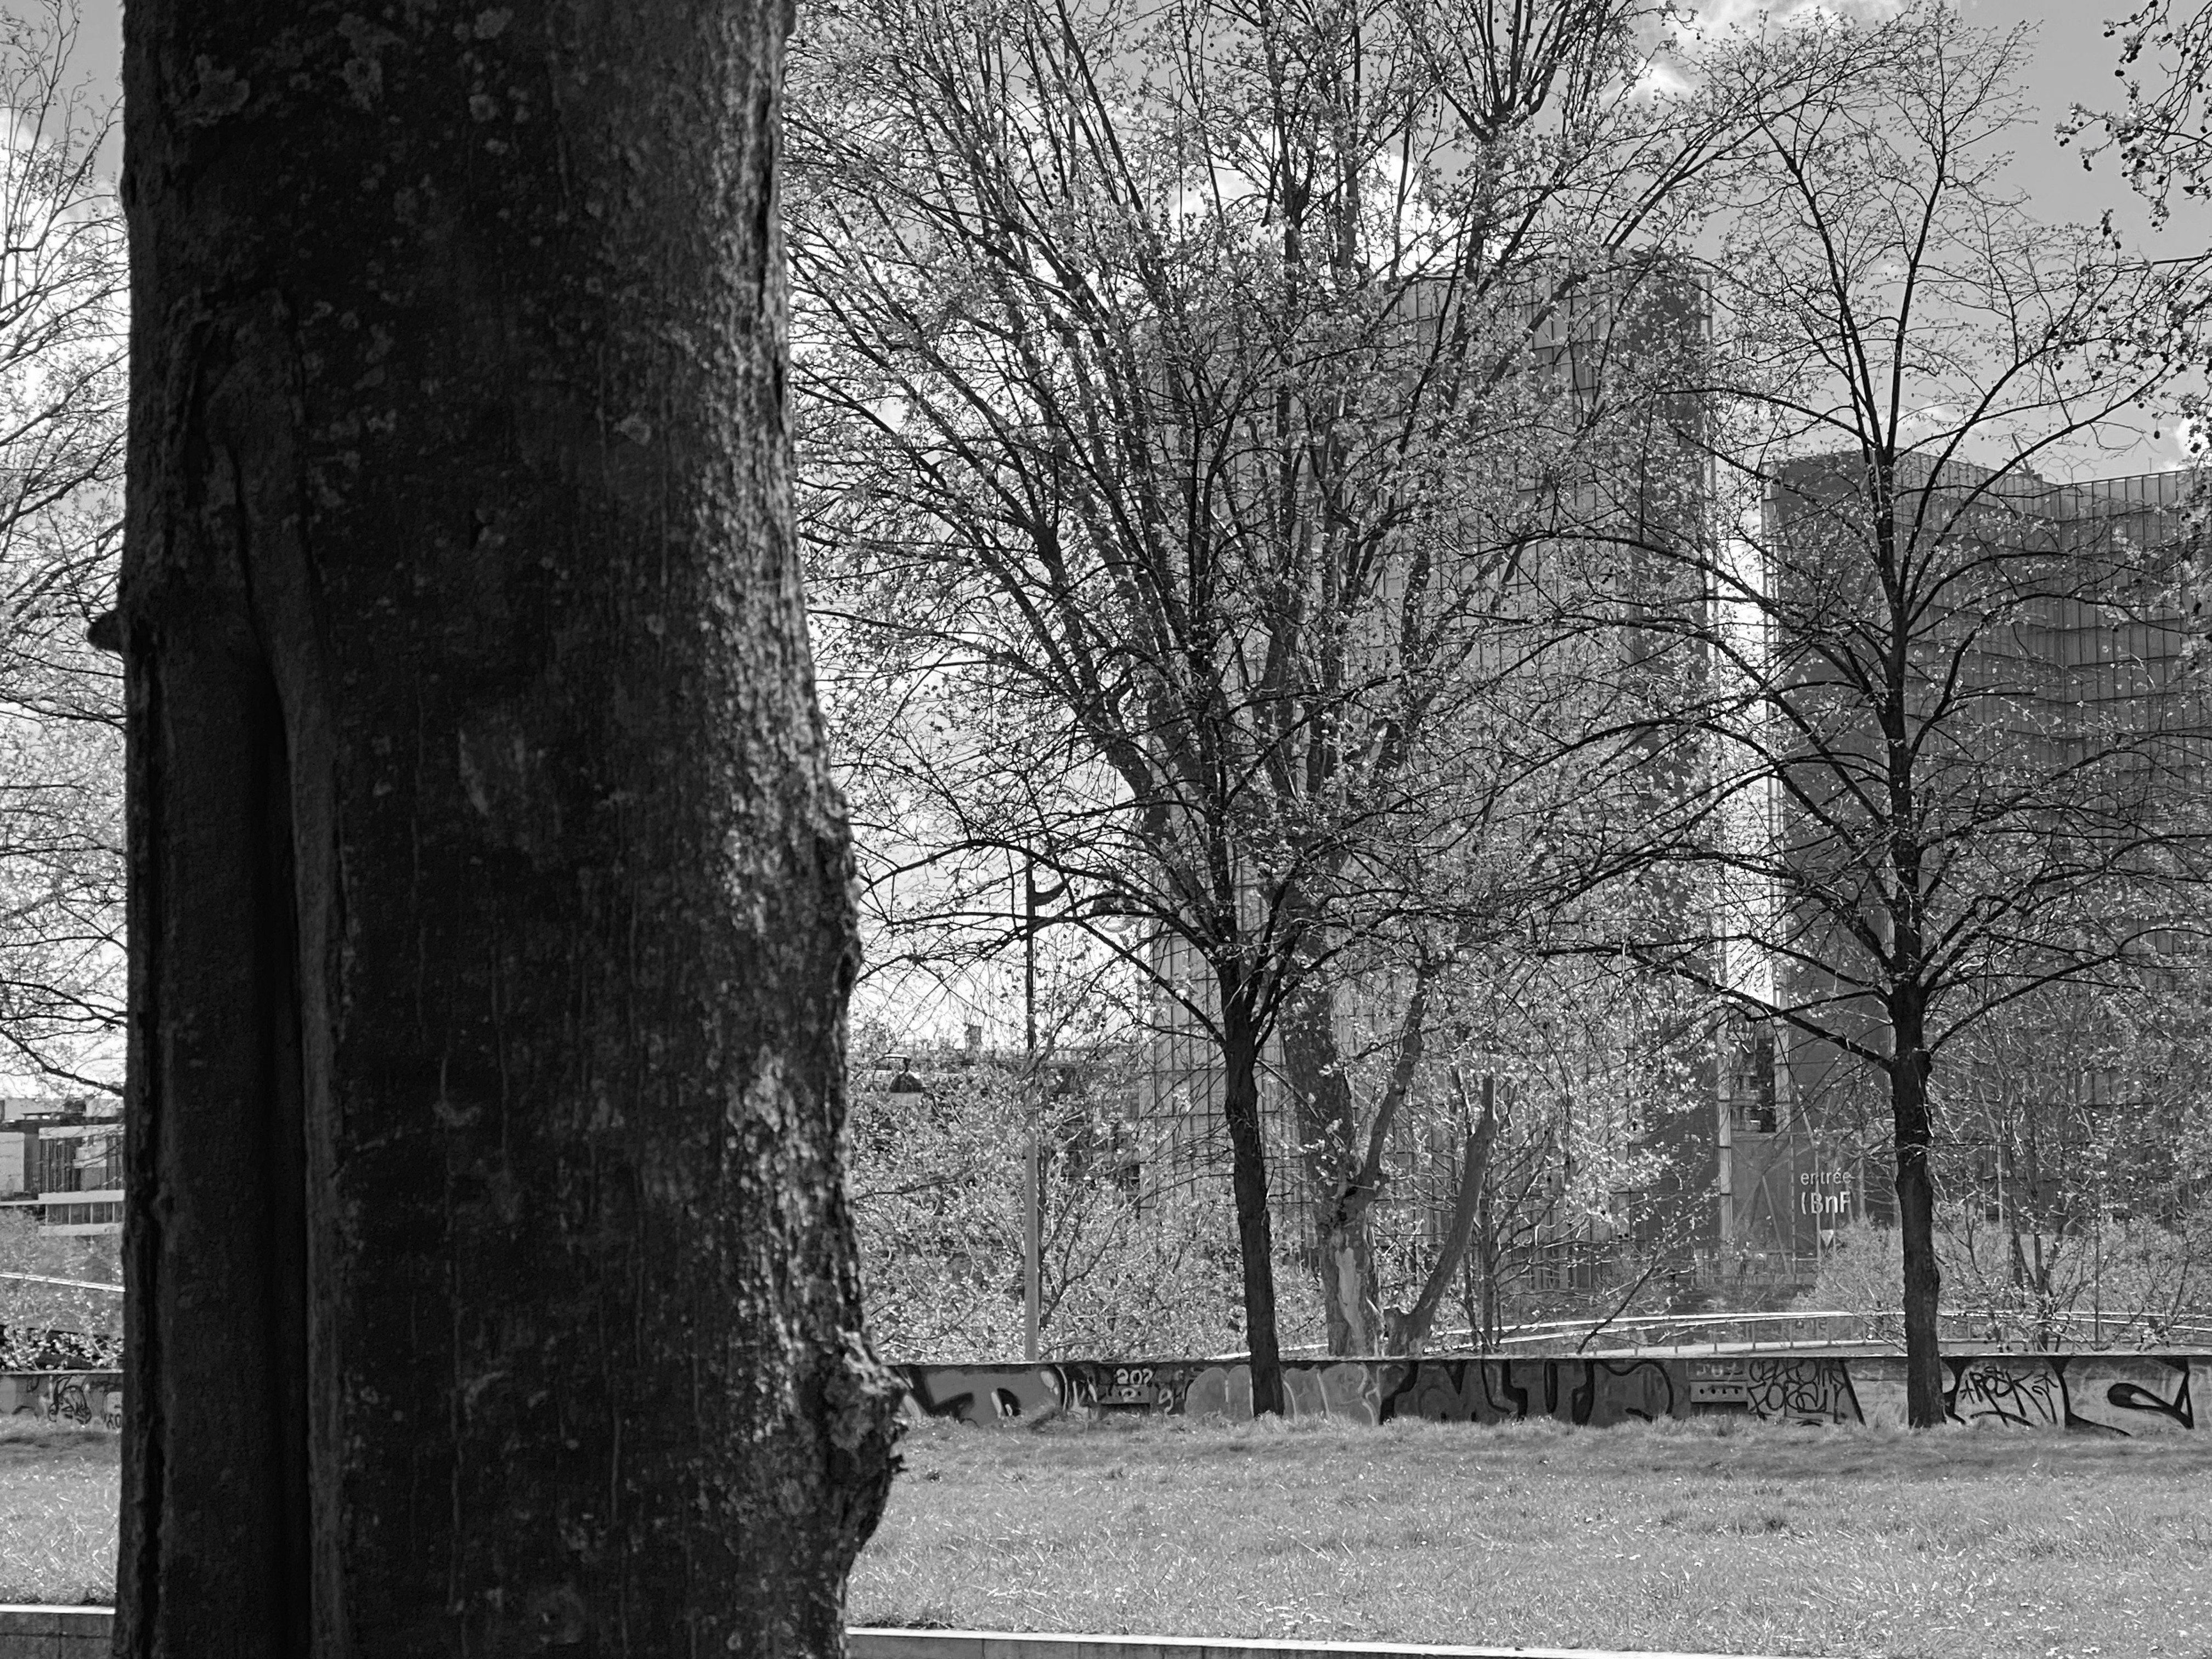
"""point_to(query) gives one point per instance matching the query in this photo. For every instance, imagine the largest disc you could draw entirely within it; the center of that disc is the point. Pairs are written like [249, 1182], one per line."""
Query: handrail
[74, 1284]
[1681, 1325]
[1462, 1341]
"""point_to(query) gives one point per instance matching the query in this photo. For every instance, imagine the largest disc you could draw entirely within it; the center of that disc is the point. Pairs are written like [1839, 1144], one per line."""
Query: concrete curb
[30, 1632]
[870, 1642]
[45, 1632]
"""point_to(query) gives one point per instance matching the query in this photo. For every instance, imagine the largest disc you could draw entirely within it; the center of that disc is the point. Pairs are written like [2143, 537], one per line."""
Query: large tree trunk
[1916, 1220]
[1329, 1137]
[1248, 1154]
[492, 1288]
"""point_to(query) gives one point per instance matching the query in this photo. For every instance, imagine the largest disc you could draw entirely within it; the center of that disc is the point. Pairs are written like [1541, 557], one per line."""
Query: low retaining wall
[56, 1632]
[86, 1633]
[2112, 1393]
[70, 1396]
[867, 1644]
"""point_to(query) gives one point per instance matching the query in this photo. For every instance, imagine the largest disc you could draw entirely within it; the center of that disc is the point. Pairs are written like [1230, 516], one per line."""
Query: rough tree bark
[1241, 1038]
[1345, 1161]
[1329, 1137]
[492, 1287]
[1916, 1213]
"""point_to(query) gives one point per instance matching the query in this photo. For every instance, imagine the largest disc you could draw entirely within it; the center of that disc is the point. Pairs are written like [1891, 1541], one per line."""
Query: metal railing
[1828, 1328]
[1801, 1328]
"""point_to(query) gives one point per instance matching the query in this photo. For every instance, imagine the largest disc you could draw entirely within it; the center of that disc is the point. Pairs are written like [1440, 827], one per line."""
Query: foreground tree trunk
[492, 1289]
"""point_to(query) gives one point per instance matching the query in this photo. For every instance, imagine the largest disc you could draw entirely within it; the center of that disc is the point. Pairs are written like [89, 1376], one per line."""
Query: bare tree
[1920, 801]
[491, 1285]
[2159, 132]
[1546, 1138]
[62, 331]
[940, 1190]
[1185, 410]
[2082, 1119]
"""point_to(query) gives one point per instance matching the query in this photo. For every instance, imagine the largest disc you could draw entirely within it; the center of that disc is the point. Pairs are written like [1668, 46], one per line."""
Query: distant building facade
[2096, 657]
[1648, 312]
[61, 1163]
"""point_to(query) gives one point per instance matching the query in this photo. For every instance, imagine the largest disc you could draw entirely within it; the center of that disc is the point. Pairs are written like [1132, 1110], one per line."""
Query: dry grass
[1713, 1535]
[1710, 1536]
[58, 1486]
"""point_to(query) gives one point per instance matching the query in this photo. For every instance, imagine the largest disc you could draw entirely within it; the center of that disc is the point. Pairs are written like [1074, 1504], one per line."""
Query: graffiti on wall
[1593, 1392]
[1596, 1392]
[2130, 1395]
[1786, 1388]
[2082, 1393]
[65, 1396]
[986, 1394]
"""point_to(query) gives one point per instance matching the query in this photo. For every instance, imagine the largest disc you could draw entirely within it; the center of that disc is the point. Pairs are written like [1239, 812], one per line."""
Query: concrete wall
[863, 1643]
[2129, 1394]
[84, 1634]
[74, 1397]
[56, 1632]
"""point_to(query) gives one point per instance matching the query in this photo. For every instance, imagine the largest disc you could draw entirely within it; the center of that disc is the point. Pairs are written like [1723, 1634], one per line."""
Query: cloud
[1704, 26]
[1746, 13]
[1711, 20]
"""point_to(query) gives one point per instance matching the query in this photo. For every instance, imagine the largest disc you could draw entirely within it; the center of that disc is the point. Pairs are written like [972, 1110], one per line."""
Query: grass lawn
[1713, 1535]
[58, 1486]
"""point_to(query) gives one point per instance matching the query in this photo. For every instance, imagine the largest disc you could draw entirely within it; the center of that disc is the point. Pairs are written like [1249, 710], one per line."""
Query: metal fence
[1804, 1329]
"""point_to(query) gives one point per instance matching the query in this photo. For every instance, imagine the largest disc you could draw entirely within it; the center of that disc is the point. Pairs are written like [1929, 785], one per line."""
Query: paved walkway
[871, 1644]
[48, 1632]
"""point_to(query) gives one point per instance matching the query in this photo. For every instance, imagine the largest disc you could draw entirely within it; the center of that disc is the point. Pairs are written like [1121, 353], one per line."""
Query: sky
[2071, 62]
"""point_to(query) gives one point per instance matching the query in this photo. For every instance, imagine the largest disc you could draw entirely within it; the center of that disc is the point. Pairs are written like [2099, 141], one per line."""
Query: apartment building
[61, 1163]
[2068, 654]
[1585, 338]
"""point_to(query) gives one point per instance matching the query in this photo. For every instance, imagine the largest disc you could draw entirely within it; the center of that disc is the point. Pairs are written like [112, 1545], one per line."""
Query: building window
[57, 1166]
[83, 1215]
[103, 1163]
[81, 1164]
